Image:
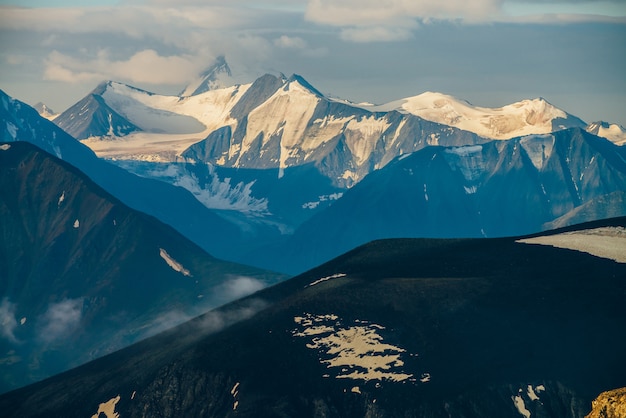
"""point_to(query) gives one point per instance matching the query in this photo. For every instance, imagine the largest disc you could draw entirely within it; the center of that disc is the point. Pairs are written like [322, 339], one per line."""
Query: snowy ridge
[215, 77]
[171, 123]
[44, 111]
[611, 131]
[522, 118]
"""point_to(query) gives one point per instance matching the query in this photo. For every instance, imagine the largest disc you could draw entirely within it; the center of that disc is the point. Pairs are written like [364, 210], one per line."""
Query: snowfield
[354, 352]
[517, 119]
[602, 242]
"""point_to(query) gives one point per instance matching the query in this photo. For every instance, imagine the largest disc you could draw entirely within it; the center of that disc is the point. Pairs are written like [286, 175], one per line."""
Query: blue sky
[489, 52]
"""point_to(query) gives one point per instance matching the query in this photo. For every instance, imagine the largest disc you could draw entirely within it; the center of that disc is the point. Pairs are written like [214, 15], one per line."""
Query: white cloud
[145, 66]
[238, 287]
[294, 42]
[362, 13]
[61, 319]
[376, 34]
[8, 323]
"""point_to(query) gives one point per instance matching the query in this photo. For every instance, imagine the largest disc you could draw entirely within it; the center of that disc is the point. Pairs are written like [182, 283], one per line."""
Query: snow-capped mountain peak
[44, 111]
[215, 77]
[611, 131]
[300, 81]
[530, 116]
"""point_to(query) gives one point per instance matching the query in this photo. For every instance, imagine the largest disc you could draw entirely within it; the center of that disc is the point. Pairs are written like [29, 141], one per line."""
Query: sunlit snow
[354, 352]
[608, 242]
[518, 401]
[323, 279]
[108, 408]
[521, 118]
[5, 147]
[173, 263]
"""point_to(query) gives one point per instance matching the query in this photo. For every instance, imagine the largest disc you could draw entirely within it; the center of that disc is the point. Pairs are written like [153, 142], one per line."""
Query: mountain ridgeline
[293, 171]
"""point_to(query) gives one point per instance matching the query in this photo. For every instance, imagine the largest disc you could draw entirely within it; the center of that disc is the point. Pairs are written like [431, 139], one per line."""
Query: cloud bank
[8, 323]
[60, 320]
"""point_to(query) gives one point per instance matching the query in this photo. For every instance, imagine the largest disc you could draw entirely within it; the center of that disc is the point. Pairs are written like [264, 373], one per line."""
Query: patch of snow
[518, 401]
[323, 279]
[175, 265]
[214, 193]
[465, 151]
[61, 199]
[133, 395]
[356, 389]
[358, 352]
[362, 136]
[323, 198]
[23, 321]
[531, 393]
[234, 391]
[433, 139]
[108, 408]
[470, 189]
[540, 388]
[468, 160]
[538, 148]
[425, 377]
[5, 147]
[403, 156]
[12, 129]
[76, 224]
[607, 242]
[425, 193]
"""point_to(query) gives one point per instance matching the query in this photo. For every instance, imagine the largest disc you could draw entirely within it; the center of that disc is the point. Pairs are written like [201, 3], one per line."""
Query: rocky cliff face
[609, 404]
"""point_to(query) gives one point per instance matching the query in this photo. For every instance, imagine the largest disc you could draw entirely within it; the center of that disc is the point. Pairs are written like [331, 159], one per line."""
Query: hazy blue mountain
[500, 188]
[172, 205]
[84, 275]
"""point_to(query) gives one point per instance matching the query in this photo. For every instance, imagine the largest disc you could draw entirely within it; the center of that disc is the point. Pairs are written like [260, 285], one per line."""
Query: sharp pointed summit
[216, 76]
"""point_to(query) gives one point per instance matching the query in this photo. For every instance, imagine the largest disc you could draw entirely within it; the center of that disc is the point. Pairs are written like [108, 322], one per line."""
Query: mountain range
[504, 327]
[131, 212]
[84, 275]
[291, 167]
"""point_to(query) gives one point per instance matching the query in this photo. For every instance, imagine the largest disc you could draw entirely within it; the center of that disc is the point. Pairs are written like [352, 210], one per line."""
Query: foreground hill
[396, 328]
[84, 275]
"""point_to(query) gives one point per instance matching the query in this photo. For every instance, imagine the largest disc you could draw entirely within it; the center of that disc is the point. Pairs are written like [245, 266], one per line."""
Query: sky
[488, 52]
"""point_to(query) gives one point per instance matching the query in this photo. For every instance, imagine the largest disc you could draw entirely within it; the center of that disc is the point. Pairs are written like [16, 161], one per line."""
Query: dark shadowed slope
[395, 328]
[83, 275]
